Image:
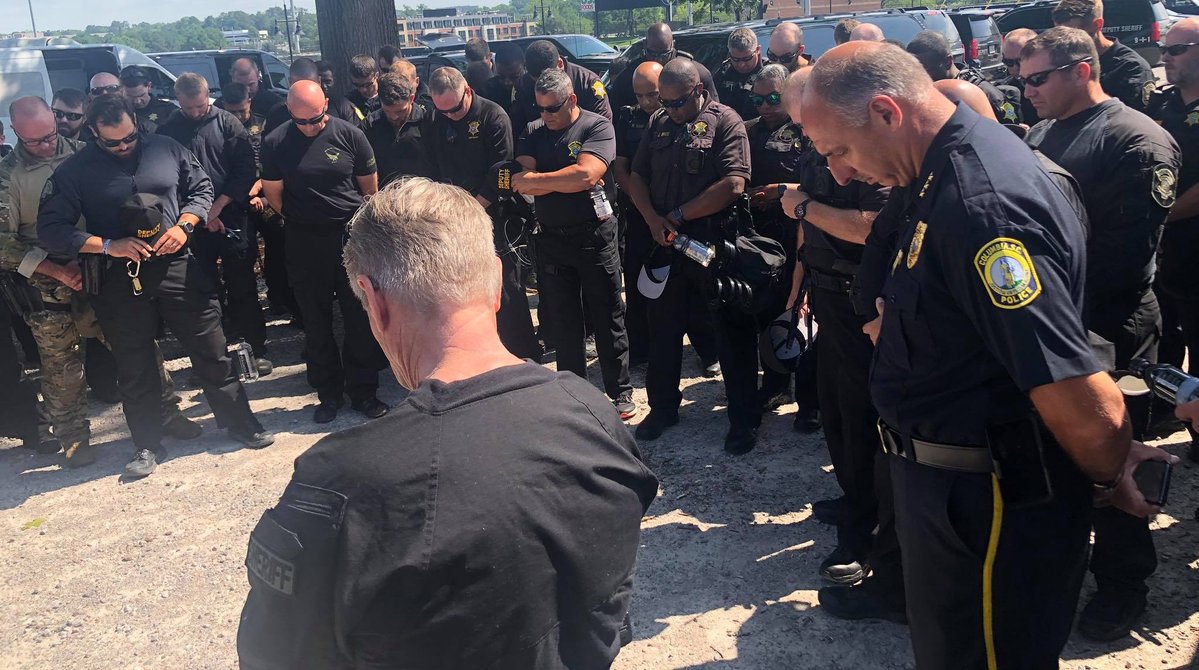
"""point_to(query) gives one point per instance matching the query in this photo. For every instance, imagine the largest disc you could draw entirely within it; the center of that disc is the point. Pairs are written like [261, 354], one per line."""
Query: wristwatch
[187, 227]
[801, 210]
[677, 214]
[1109, 485]
[782, 189]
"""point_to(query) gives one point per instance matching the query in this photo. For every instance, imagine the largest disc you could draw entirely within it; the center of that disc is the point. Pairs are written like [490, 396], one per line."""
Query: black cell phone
[1153, 481]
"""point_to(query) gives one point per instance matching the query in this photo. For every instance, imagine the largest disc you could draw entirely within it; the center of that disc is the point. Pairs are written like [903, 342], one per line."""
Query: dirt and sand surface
[97, 572]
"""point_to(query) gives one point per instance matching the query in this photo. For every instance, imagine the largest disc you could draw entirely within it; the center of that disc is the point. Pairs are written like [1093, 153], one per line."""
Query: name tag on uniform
[271, 568]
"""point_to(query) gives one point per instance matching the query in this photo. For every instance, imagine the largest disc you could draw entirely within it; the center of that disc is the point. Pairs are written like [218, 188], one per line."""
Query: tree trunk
[352, 27]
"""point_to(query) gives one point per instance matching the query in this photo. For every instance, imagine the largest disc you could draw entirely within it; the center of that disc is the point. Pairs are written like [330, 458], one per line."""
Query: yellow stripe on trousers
[988, 572]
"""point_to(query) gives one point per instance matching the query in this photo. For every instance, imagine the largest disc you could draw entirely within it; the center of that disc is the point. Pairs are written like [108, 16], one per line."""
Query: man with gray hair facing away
[565, 155]
[735, 77]
[432, 539]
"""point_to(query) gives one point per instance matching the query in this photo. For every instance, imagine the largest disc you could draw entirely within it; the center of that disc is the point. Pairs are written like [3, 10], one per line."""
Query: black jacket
[223, 147]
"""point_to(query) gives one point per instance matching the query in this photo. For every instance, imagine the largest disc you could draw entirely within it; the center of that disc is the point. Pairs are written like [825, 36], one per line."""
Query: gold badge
[1165, 186]
[153, 116]
[473, 128]
[1147, 91]
[255, 130]
[1009, 112]
[699, 129]
[597, 87]
[574, 148]
[1192, 118]
[917, 243]
[332, 154]
[1007, 272]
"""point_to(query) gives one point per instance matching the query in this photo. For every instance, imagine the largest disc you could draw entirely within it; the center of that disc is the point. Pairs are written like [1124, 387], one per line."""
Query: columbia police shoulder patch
[1165, 186]
[1007, 272]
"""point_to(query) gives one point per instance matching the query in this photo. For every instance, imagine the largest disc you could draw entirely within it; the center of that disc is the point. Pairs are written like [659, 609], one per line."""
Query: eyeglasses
[112, 144]
[552, 109]
[458, 107]
[655, 55]
[61, 114]
[1176, 49]
[104, 90]
[309, 122]
[742, 59]
[47, 140]
[773, 99]
[783, 58]
[675, 104]
[1011, 62]
[1038, 79]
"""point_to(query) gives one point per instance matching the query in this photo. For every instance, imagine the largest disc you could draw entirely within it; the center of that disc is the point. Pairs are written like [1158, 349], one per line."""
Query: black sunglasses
[309, 122]
[104, 90]
[675, 104]
[47, 140]
[784, 58]
[774, 99]
[551, 109]
[61, 114]
[1038, 79]
[112, 144]
[669, 53]
[1176, 49]
[1011, 62]
[742, 59]
[457, 108]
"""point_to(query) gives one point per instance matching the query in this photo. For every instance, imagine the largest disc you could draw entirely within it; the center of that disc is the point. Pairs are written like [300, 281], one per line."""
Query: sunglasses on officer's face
[742, 59]
[773, 99]
[781, 58]
[1038, 79]
[457, 108]
[655, 55]
[61, 114]
[309, 122]
[675, 104]
[113, 144]
[105, 90]
[1176, 50]
[551, 109]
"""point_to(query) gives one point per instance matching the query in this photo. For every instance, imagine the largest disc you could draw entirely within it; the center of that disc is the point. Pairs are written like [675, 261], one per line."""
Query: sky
[64, 14]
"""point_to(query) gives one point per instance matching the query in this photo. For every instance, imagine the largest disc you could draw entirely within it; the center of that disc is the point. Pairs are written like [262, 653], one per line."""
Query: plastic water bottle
[693, 249]
[599, 201]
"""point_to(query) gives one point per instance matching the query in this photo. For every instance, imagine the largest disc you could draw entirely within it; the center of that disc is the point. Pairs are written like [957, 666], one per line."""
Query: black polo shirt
[153, 115]
[320, 189]
[93, 184]
[1125, 75]
[500, 93]
[592, 95]
[680, 161]
[555, 150]
[460, 152]
[265, 100]
[985, 293]
[735, 88]
[1180, 241]
[400, 152]
[365, 107]
[1127, 167]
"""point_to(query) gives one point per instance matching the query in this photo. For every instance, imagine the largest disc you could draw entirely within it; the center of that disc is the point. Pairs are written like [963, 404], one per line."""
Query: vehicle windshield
[585, 45]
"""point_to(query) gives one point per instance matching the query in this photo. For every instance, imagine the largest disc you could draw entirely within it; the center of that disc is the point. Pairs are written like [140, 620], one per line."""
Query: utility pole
[31, 19]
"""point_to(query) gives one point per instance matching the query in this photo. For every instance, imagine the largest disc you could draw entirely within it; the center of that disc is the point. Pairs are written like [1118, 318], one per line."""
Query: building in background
[463, 22]
[791, 9]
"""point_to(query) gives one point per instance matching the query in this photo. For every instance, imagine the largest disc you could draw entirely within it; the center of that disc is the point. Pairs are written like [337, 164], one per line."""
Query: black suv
[1136, 23]
[982, 40]
[582, 50]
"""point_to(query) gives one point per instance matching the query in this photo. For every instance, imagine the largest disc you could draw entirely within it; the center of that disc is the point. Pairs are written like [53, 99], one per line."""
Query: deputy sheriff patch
[916, 244]
[597, 87]
[1165, 186]
[699, 129]
[473, 128]
[255, 130]
[1009, 112]
[1147, 91]
[153, 116]
[1192, 119]
[1006, 269]
[575, 147]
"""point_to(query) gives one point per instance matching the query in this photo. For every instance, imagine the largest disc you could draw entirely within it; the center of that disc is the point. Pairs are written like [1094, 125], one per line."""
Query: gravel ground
[98, 572]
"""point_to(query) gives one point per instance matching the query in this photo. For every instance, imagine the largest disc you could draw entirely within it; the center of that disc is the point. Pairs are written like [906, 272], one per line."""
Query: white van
[41, 70]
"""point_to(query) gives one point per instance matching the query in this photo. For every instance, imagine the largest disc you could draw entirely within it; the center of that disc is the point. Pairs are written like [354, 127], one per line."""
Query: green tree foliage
[190, 33]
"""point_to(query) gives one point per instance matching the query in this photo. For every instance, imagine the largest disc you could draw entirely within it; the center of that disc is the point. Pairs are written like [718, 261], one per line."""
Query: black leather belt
[936, 455]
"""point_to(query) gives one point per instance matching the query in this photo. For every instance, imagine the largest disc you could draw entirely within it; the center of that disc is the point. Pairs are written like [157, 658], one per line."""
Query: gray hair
[425, 245]
[848, 83]
[772, 73]
[191, 85]
[446, 79]
[554, 81]
[743, 39]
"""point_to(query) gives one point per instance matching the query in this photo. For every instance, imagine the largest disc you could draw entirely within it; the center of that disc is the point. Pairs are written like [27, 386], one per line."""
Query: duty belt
[935, 455]
[830, 282]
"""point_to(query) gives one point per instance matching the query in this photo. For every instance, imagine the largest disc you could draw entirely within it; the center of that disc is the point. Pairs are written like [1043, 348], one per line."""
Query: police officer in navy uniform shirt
[316, 171]
[1127, 167]
[397, 130]
[1177, 110]
[156, 186]
[542, 55]
[565, 155]
[692, 165]
[468, 135]
[1123, 73]
[1000, 423]
[734, 78]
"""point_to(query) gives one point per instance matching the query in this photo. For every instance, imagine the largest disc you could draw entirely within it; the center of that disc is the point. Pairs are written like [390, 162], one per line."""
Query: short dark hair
[477, 73]
[843, 28]
[363, 66]
[1064, 45]
[540, 55]
[1085, 11]
[108, 110]
[932, 50]
[324, 66]
[509, 54]
[71, 97]
[234, 93]
[394, 88]
[388, 53]
[304, 68]
[477, 49]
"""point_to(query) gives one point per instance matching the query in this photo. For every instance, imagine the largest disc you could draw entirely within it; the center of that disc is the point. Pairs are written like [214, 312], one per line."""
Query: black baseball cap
[142, 214]
[134, 75]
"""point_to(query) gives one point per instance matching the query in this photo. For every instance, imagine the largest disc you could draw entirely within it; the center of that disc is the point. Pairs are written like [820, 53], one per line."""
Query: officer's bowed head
[872, 110]
[680, 90]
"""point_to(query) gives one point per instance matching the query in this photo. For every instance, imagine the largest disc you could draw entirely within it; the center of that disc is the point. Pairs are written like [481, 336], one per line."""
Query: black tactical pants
[959, 565]
[1180, 333]
[737, 338]
[237, 250]
[178, 292]
[274, 264]
[1124, 555]
[806, 372]
[318, 278]
[18, 404]
[580, 270]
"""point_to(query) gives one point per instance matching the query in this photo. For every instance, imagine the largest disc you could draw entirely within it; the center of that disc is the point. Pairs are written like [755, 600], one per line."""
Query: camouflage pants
[64, 389]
